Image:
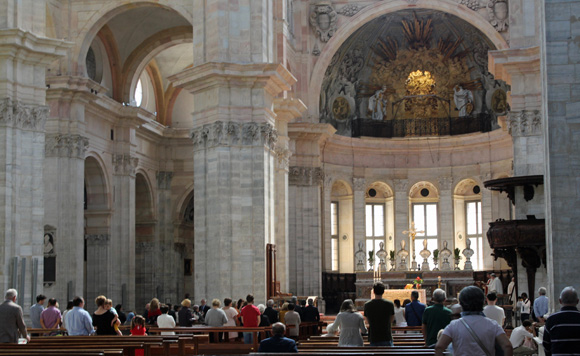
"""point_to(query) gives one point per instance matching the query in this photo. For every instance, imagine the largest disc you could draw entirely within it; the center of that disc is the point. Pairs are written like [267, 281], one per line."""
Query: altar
[451, 282]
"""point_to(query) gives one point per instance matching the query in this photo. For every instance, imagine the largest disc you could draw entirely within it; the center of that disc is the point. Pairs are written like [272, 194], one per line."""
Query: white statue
[462, 97]
[378, 104]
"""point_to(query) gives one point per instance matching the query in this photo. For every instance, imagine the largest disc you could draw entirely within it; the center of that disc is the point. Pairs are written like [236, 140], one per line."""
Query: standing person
[541, 305]
[399, 314]
[297, 307]
[492, 311]
[292, 318]
[380, 314]
[103, 319]
[250, 318]
[203, 308]
[78, 321]
[278, 343]
[165, 320]
[283, 311]
[435, 318]
[562, 329]
[351, 325]
[473, 329]
[50, 317]
[270, 312]
[121, 314]
[311, 312]
[264, 321]
[512, 291]
[216, 317]
[173, 311]
[525, 311]
[138, 329]
[11, 319]
[154, 311]
[36, 310]
[231, 313]
[185, 316]
[495, 285]
[414, 310]
[69, 307]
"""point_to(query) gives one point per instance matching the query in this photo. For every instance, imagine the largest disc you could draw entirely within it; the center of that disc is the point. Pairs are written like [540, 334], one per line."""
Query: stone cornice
[230, 133]
[31, 48]
[66, 145]
[308, 131]
[272, 77]
[288, 109]
[98, 239]
[507, 62]
[17, 114]
[63, 86]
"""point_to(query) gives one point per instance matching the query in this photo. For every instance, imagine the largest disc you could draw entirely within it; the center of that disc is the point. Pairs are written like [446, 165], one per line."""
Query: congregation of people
[473, 324]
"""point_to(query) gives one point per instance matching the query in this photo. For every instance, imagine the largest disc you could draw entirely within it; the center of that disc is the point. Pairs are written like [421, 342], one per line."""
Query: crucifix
[412, 232]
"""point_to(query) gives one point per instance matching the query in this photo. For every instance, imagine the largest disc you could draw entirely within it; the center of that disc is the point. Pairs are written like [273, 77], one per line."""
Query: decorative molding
[164, 180]
[305, 176]
[359, 184]
[525, 123]
[15, 113]
[66, 145]
[498, 14]
[350, 10]
[97, 239]
[401, 185]
[283, 158]
[222, 133]
[125, 164]
[323, 19]
[472, 4]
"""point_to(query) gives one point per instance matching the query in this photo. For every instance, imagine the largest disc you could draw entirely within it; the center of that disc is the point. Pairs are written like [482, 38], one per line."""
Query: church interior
[287, 147]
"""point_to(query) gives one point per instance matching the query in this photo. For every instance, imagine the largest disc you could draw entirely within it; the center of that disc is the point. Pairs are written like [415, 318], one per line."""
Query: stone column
[402, 216]
[121, 275]
[326, 228]
[486, 218]
[359, 222]
[25, 55]
[286, 109]
[446, 214]
[561, 135]
[64, 169]
[98, 273]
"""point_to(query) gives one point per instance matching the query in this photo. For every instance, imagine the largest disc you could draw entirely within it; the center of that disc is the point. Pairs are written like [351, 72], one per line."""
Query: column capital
[15, 113]
[66, 145]
[359, 184]
[306, 176]
[125, 164]
[98, 239]
[525, 123]
[232, 133]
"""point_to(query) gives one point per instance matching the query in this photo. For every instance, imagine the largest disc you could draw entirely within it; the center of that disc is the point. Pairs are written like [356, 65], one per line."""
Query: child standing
[138, 329]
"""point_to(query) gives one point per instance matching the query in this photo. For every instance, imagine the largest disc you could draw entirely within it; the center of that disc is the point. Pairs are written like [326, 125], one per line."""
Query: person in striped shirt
[562, 330]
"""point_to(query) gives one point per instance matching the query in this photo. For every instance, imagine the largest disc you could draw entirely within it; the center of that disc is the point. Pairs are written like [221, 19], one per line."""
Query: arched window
[468, 218]
[424, 200]
[378, 207]
[138, 93]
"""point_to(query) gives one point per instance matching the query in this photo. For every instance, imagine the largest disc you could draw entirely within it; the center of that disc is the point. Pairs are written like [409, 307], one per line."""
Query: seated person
[278, 343]
[520, 338]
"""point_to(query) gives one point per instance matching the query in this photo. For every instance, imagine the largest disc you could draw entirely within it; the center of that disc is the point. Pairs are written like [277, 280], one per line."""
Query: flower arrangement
[436, 255]
[392, 255]
[409, 286]
[371, 256]
[457, 254]
[418, 281]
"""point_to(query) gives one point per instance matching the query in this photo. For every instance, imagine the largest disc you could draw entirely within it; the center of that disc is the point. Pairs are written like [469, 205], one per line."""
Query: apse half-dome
[413, 73]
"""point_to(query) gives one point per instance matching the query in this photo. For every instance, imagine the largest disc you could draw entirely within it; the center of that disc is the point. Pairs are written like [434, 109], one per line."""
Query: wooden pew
[128, 343]
[127, 348]
[16, 351]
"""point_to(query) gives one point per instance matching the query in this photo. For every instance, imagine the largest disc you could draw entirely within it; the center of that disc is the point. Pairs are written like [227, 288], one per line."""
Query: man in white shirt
[492, 311]
[165, 320]
[495, 285]
[519, 335]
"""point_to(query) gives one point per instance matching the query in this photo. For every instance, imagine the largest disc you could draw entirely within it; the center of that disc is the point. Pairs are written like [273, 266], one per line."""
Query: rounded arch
[184, 197]
[467, 187]
[108, 11]
[96, 183]
[372, 12]
[417, 192]
[382, 190]
[341, 188]
[144, 202]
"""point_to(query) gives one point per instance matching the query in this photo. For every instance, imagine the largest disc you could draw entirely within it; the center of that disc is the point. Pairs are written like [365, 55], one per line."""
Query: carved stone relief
[125, 164]
[305, 176]
[350, 10]
[283, 158]
[97, 239]
[14, 113]
[497, 12]
[66, 145]
[232, 133]
[525, 123]
[472, 4]
[323, 18]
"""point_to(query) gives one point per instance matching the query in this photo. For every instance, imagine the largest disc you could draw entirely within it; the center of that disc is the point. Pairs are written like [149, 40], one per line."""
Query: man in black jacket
[271, 313]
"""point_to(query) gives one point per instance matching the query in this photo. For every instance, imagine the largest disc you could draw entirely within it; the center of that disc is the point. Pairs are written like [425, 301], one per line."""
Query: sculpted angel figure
[378, 104]
[462, 97]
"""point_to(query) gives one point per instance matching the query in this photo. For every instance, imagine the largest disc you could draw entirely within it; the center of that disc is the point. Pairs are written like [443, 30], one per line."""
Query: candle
[439, 278]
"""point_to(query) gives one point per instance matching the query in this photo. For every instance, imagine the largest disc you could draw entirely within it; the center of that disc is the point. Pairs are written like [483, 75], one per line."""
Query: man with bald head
[435, 318]
[562, 329]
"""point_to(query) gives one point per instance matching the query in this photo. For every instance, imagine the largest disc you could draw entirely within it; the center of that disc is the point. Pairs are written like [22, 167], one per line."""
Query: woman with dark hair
[104, 320]
[351, 325]
[473, 333]
[525, 311]
[399, 314]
